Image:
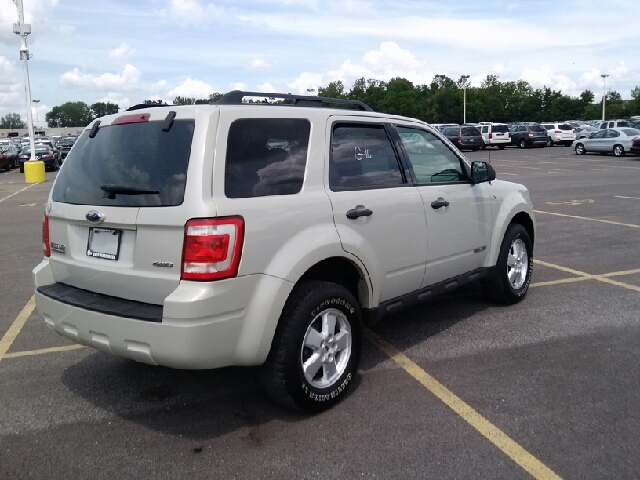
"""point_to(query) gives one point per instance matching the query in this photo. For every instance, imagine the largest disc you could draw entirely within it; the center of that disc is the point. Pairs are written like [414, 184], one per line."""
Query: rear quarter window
[266, 156]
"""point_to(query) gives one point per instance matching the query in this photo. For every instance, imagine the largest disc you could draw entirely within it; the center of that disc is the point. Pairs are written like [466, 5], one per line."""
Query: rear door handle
[358, 212]
[439, 203]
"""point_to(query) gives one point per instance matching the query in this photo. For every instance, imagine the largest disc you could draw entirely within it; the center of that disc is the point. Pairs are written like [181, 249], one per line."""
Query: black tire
[522, 143]
[549, 142]
[580, 150]
[484, 145]
[310, 305]
[502, 147]
[499, 287]
[475, 149]
[22, 168]
[618, 150]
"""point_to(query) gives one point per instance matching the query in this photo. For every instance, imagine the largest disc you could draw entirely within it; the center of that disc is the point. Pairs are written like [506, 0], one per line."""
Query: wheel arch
[525, 220]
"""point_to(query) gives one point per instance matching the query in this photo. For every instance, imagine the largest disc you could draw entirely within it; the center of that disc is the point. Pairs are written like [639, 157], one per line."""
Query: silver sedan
[612, 140]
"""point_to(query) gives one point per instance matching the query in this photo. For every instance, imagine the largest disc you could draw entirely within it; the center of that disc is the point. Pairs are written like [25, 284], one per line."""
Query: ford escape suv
[238, 233]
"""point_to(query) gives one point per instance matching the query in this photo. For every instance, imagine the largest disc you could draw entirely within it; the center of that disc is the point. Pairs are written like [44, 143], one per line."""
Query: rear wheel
[316, 349]
[484, 145]
[580, 150]
[618, 151]
[511, 277]
[522, 143]
[549, 142]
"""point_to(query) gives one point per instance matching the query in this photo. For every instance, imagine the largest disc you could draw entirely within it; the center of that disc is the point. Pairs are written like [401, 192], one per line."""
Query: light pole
[464, 98]
[604, 90]
[37, 120]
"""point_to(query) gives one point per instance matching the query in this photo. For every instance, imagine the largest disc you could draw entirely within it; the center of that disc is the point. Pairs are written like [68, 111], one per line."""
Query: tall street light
[37, 120]
[604, 95]
[464, 98]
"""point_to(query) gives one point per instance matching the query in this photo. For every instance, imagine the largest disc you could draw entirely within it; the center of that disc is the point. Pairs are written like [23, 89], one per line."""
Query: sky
[127, 51]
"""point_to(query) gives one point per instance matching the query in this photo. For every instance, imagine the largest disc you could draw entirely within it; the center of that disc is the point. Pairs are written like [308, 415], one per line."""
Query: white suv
[559, 133]
[494, 134]
[245, 234]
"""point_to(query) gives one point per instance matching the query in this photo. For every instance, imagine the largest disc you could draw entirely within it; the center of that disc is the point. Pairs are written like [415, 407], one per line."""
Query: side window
[431, 159]
[485, 129]
[611, 134]
[362, 157]
[599, 134]
[611, 124]
[266, 156]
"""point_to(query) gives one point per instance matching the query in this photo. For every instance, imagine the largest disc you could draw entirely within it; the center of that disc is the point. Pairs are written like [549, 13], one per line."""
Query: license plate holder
[104, 243]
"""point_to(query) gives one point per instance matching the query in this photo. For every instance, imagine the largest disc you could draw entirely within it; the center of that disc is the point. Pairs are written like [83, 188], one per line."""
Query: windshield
[137, 155]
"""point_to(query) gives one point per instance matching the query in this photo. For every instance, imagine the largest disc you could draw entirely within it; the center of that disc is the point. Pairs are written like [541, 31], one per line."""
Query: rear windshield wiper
[110, 191]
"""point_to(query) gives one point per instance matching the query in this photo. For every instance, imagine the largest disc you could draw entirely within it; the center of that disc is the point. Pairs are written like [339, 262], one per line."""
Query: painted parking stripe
[604, 278]
[611, 222]
[630, 198]
[16, 326]
[496, 436]
[15, 193]
[43, 351]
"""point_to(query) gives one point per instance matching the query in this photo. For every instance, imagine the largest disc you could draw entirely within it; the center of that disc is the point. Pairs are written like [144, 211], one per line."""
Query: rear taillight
[212, 248]
[46, 246]
[47, 155]
[558, 131]
[491, 135]
[459, 139]
[530, 134]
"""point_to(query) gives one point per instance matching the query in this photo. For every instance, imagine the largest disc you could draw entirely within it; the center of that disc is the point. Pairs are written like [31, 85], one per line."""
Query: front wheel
[580, 150]
[618, 151]
[316, 349]
[511, 277]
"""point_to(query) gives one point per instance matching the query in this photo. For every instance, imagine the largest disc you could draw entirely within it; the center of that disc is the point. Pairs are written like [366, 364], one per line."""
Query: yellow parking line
[16, 326]
[611, 222]
[558, 282]
[604, 278]
[631, 198]
[43, 351]
[15, 193]
[496, 436]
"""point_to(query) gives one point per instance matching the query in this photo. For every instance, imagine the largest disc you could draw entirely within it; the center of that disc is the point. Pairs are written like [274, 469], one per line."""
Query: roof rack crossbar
[235, 98]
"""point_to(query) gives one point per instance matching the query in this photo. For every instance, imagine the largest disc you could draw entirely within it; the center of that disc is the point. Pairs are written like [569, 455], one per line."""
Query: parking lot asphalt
[458, 388]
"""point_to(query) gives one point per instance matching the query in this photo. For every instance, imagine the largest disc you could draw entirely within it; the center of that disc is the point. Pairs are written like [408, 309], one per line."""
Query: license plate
[104, 243]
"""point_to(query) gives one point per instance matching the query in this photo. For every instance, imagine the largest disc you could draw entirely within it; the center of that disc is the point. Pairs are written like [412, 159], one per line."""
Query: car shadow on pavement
[207, 404]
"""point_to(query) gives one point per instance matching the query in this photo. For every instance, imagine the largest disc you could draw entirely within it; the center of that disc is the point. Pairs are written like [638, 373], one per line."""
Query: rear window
[536, 128]
[139, 157]
[499, 128]
[565, 126]
[451, 131]
[266, 156]
[631, 131]
[471, 131]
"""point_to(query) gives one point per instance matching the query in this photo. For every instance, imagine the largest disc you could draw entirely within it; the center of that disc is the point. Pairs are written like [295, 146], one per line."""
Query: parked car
[614, 124]
[281, 257]
[465, 137]
[44, 154]
[528, 135]
[559, 133]
[584, 131]
[10, 152]
[64, 146]
[635, 146]
[612, 140]
[5, 161]
[495, 134]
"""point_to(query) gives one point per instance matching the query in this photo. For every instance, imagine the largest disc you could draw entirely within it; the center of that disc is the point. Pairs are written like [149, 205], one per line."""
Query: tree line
[441, 101]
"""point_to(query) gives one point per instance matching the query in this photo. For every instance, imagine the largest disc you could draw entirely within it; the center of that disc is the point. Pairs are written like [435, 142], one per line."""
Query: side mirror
[482, 172]
[591, 135]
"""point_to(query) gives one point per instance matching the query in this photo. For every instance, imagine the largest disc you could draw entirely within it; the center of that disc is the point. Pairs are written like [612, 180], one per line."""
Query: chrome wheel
[549, 142]
[517, 264]
[618, 151]
[326, 348]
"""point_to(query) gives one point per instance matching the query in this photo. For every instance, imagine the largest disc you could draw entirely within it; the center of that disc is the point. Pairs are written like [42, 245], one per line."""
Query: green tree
[587, 97]
[614, 97]
[153, 102]
[100, 109]
[70, 114]
[12, 121]
[634, 104]
[184, 100]
[333, 90]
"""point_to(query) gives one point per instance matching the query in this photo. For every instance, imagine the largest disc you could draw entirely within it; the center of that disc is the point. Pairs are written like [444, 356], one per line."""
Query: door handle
[358, 212]
[439, 203]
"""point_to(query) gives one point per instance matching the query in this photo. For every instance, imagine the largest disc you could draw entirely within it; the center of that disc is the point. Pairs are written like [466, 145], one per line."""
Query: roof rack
[235, 98]
[140, 106]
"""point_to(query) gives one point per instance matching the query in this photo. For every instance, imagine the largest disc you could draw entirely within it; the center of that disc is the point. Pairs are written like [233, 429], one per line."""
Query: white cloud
[191, 12]
[258, 64]
[544, 76]
[192, 89]
[35, 13]
[128, 79]
[116, 98]
[266, 88]
[123, 52]
[239, 86]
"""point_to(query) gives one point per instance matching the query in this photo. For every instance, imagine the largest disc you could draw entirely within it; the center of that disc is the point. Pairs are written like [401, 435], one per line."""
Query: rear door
[117, 209]
[595, 143]
[379, 216]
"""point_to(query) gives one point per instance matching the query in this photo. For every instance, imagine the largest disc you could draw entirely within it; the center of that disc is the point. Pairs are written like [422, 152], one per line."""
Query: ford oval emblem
[95, 217]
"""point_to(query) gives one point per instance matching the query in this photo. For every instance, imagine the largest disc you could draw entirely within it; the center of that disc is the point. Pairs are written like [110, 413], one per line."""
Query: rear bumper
[202, 325]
